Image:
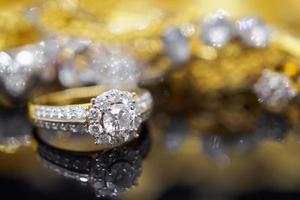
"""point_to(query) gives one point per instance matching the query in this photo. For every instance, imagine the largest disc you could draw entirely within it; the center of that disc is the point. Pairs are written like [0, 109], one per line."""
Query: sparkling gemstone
[64, 127]
[54, 113]
[176, 46]
[54, 126]
[74, 128]
[274, 89]
[95, 129]
[46, 112]
[68, 113]
[5, 63]
[101, 102]
[60, 113]
[80, 113]
[94, 114]
[253, 32]
[118, 118]
[217, 30]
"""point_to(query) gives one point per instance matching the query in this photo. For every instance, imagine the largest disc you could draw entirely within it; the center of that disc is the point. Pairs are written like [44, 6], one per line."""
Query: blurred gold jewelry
[112, 116]
[17, 39]
[147, 39]
[134, 26]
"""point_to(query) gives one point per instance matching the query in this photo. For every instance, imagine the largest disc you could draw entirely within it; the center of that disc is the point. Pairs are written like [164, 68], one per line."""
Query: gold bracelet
[111, 116]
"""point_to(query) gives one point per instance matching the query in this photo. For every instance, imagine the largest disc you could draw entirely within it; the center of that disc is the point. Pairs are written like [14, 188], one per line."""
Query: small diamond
[60, 113]
[73, 113]
[74, 128]
[217, 30]
[274, 89]
[95, 129]
[69, 114]
[54, 113]
[253, 32]
[101, 102]
[176, 46]
[47, 112]
[63, 127]
[54, 126]
[81, 113]
[94, 114]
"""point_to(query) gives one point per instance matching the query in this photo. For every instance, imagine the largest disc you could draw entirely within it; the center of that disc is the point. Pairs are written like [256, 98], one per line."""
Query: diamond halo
[114, 117]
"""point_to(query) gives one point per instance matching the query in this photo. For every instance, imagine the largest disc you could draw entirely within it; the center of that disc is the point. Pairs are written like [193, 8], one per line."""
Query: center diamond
[118, 118]
[114, 118]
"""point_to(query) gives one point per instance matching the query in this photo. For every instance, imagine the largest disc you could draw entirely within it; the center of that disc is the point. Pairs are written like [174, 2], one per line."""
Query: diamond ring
[112, 116]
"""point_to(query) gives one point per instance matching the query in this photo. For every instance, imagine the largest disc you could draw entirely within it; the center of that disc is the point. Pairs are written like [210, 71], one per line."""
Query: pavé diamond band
[111, 116]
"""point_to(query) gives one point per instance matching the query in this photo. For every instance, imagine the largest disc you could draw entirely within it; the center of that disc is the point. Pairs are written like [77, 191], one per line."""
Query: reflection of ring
[112, 117]
[109, 172]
